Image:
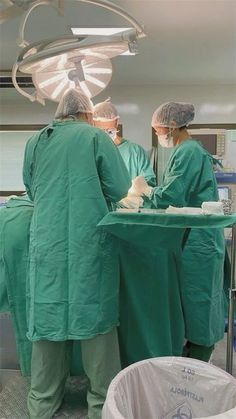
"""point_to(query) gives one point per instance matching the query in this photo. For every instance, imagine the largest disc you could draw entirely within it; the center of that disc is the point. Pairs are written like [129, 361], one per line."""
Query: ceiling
[188, 41]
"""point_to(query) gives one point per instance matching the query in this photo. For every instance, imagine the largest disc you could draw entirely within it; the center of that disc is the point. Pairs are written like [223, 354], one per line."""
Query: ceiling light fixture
[82, 60]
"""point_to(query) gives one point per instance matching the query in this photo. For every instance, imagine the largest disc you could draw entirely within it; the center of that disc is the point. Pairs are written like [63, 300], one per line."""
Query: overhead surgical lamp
[73, 61]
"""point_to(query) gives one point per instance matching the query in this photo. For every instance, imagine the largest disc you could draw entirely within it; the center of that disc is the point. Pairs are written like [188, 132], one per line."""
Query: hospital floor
[15, 388]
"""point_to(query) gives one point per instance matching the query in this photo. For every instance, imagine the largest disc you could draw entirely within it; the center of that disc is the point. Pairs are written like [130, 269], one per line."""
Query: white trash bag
[171, 388]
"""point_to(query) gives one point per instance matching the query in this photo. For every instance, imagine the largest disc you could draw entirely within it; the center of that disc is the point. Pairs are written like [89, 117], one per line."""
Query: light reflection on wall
[128, 109]
[210, 108]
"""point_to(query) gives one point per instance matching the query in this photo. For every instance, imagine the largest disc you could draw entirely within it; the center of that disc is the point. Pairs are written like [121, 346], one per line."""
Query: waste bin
[171, 388]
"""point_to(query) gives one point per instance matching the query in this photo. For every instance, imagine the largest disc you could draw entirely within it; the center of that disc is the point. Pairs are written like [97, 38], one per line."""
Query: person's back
[71, 170]
[69, 202]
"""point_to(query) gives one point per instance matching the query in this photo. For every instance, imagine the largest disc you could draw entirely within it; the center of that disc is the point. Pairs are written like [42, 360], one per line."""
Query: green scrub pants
[203, 353]
[50, 369]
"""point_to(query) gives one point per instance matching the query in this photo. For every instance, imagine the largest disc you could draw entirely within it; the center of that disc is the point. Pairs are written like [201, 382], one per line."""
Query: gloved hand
[140, 187]
[133, 202]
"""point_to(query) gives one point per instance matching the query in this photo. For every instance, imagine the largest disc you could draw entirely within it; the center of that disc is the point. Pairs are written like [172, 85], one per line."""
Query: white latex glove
[133, 202]
[140, 187]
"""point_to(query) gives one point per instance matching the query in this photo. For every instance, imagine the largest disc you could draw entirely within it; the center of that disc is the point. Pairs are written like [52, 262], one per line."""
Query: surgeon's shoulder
[191, 146]
[90, 133]
[102, 137]
[134, 146]
[33, 139]
[99, 132]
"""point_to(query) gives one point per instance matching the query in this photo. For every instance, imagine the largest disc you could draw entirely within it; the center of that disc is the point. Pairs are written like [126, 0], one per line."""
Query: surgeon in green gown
[136, 160]
[188, 181]
[72, 171]
[14, 244]
[151, 318]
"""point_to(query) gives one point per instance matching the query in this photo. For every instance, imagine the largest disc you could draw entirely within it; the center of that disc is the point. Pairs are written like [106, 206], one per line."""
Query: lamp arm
[120, 11]
[102, 3]
[21, 39]
[34, 97]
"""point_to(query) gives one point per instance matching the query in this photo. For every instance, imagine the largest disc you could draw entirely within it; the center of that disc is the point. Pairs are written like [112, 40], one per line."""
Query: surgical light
[85, 67]
[74, 60]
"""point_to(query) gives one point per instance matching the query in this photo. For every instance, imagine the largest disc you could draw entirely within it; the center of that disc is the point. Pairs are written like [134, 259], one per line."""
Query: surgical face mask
[166, 140]
[112, 133]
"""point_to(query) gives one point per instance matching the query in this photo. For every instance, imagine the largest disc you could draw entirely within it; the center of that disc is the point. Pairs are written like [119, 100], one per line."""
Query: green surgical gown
[71, 170]
[136, 161]
[14, 242]
[188, 181]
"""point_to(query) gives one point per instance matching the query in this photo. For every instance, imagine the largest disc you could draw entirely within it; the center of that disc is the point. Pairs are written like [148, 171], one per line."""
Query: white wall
[214, 104]
[12, 146]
